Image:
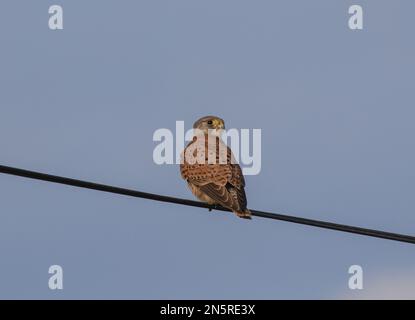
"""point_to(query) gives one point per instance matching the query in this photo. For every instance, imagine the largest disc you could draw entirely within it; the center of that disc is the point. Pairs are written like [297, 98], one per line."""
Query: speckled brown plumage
[215, 183]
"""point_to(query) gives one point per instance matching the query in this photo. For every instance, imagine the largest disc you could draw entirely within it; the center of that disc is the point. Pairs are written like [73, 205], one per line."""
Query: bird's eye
[210, 122]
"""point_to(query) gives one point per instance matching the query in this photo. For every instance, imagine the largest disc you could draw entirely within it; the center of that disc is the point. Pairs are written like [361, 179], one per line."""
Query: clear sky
[336, 109]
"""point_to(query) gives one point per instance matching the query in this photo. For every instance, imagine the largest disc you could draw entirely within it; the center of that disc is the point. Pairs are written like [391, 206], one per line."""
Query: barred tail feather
[246, 214]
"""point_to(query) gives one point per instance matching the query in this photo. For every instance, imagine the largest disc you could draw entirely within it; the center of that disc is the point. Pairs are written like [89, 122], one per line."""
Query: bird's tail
[245, 214]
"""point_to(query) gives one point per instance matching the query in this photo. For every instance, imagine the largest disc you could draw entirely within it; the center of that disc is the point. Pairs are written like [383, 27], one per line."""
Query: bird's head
[213, 123]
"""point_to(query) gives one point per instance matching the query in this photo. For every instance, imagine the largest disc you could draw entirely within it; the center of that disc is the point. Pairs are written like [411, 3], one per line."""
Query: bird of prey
[217, 179]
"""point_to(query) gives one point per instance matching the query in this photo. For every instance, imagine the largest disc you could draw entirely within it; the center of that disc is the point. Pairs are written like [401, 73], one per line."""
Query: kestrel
[215, 178]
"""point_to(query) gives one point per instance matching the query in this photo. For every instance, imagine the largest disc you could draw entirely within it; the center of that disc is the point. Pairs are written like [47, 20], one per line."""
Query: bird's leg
[213, 207]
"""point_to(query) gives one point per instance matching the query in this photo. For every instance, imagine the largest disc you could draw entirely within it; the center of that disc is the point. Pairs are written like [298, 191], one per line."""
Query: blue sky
[335, 108]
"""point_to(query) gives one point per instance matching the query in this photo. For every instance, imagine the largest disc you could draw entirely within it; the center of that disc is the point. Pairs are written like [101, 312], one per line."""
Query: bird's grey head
[209, 123]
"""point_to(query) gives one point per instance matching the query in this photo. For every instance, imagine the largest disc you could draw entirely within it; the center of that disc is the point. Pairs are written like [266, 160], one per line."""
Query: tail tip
[246, 214]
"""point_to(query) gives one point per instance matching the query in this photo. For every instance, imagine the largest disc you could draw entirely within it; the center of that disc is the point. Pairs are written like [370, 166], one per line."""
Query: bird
[210, 170]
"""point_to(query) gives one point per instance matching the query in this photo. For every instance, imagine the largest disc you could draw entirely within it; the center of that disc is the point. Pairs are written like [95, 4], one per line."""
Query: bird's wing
[219, 194]
[224, 183]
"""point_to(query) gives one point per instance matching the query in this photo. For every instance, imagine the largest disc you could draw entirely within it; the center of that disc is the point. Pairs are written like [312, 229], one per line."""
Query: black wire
[156, 197]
